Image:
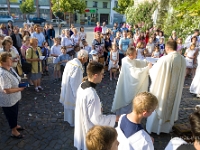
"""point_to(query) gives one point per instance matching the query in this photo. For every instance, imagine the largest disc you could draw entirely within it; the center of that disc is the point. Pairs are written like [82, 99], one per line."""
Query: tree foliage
[27, 7]
[184, 18]
[68, 6]
[123, 5]
[141, 13]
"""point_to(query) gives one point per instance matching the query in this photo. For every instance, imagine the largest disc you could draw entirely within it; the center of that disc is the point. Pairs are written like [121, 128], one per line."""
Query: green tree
[183, 19]
[27, 7]
[63, 6]
[142, 13]
[123, 5]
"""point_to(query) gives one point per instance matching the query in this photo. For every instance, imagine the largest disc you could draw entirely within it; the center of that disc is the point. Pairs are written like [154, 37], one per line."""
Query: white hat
[93, 52]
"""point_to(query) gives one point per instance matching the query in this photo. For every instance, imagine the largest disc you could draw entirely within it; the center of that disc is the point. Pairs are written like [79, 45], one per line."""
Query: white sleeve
[96, 116]
[5, 82]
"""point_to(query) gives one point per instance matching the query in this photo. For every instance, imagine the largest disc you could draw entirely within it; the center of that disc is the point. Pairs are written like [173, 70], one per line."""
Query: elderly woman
[10, 93]
[7, 47]
[33, 56]
[68, 42]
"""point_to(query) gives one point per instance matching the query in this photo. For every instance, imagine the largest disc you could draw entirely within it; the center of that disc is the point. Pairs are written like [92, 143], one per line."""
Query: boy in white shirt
[131, 134]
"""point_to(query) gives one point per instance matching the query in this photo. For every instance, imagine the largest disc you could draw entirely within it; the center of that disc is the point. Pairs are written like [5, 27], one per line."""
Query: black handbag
[27, 67]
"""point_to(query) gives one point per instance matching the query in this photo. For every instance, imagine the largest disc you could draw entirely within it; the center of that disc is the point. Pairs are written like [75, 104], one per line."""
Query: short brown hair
[100, 138]
[5, 41]
[130, 51]
[144, 101]
[94, 68]
[195, 124]
[4, 56]
[36, 26]
[171, 44]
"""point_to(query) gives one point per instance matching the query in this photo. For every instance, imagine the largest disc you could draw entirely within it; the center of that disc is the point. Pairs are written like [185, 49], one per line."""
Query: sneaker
[115, 78]
[198, 95]
[36, 89]
[110, 79]
[40, 88]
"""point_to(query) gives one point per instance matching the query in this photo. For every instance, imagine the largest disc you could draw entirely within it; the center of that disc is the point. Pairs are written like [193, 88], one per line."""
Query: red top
[97, 29]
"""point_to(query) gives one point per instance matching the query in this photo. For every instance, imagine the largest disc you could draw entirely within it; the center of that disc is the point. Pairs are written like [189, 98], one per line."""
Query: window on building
[86, 3]
[105, 5]
[116, 4]
[95, 4]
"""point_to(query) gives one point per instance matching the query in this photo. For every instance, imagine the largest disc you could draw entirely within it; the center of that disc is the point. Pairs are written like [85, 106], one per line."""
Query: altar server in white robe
[132, 80]
[167, 77]
[72, 78]
[88, 111]
[195, 86]
[131, 135]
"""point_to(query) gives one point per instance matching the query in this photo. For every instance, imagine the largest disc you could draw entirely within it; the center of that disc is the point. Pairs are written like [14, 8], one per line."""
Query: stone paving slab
[42, 116]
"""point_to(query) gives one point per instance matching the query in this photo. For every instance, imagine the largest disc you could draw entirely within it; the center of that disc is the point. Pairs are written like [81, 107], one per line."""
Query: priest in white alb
[167, 77]
[71, 79]
[133, 79]
[88, 112]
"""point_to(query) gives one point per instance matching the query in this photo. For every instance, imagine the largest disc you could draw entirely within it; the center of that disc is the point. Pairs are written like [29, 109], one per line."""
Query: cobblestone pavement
[42, 116]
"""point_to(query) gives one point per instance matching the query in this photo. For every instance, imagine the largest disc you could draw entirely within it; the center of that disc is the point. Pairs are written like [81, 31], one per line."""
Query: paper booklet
[152, 60]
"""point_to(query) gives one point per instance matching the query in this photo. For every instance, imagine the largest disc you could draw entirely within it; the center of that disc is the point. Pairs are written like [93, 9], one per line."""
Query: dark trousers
[120, 58]
[62, 68]
[11, 115]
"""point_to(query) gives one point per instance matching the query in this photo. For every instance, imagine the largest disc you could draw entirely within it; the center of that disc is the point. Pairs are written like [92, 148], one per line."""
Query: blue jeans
[50, 42]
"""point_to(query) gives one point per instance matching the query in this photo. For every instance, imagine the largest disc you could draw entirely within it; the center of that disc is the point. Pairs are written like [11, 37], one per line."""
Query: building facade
[114, 16]
[12, 7]
[97, 10]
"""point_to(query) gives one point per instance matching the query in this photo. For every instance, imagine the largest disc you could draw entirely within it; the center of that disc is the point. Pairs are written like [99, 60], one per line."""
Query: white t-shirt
[56, 50]
[104, 29]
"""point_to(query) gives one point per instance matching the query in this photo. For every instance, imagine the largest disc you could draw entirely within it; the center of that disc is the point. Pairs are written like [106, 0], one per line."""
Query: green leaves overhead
[68, 6]
[123, 5]
[27, 6]
[141, 13]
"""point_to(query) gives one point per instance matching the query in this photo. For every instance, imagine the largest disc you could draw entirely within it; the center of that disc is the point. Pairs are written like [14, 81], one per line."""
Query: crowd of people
[146, 61]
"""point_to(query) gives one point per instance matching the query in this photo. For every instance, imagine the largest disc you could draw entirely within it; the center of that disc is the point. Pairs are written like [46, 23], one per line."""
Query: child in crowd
[150, 47]
[190, 54]
[93, 56]
[45, 52]
[131, 134]
[102, 138]
[156, 52]
[113, 63]
[55, 52]
[161, 46]
[86, 46]
[140, 50]
[63, 59]
[179, 45]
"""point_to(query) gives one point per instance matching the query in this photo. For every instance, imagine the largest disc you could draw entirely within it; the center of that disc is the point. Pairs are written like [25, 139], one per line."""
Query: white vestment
[133, 79]
[195, 86]
[167, 77]
[71, 79]
[174, 143]
[138, 141]
[88, 113]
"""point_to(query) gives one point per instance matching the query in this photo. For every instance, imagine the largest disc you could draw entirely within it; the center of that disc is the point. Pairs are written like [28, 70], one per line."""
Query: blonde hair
[25, 38]
[32, 40]
[100, 138]
[144, 101]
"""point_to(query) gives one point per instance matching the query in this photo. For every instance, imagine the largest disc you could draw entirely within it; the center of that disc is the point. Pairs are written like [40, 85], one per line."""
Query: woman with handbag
[68, 42]
[33, 56]
[10, 93]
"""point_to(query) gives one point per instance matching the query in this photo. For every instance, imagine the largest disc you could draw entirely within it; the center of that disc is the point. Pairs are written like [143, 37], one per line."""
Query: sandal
[20, 129]
[18, 136]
